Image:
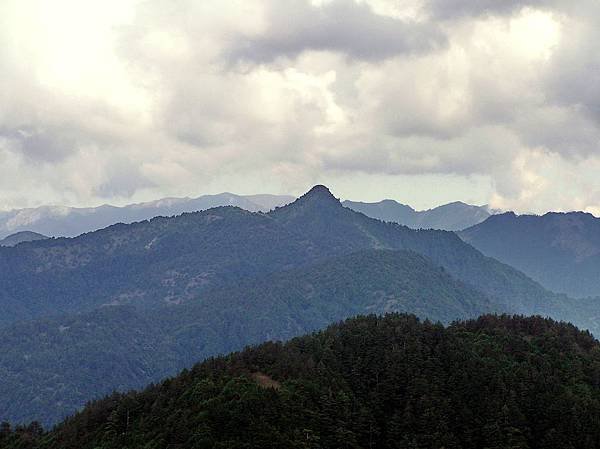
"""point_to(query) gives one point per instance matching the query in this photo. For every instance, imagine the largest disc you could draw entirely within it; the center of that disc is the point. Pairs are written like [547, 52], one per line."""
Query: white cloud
[120, 101]
[351, 28]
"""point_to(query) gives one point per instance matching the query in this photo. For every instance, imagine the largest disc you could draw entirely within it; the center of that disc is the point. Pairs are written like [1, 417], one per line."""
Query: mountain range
[559, 250]
[450, 217]
[62, 221]
[115, 308]
[170, 260]
[392, 382]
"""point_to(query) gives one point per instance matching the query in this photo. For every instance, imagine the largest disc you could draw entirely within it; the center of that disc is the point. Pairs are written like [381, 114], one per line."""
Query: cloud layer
[482, 101]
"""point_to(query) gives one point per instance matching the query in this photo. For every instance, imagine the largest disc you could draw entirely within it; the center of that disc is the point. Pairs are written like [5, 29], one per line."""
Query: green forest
[369, 382]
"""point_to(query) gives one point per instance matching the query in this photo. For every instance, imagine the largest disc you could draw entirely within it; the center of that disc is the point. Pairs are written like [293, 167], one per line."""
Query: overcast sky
[423, 101]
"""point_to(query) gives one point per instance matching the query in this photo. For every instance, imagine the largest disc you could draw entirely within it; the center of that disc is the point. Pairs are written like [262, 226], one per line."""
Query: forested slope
[393, 382]
[49, 368]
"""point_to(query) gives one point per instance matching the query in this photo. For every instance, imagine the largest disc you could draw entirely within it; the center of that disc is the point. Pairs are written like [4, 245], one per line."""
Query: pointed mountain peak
[319, 195]
[318, 199]
[319, 191]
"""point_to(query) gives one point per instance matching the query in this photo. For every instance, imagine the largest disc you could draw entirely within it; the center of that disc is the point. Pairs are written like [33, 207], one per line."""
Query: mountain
[172, 260]
[148, 264]
[559, 250]
[20, 237]
[392, 382]
[224, 278]
[340, 230]
[450, 217]
[61, 221]
[50, 368]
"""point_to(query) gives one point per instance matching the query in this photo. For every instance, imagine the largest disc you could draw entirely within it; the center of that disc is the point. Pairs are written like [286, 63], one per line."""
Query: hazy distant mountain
[559, 250]
[223, 278]
[450, 217]
[20, 237]
[61, 221]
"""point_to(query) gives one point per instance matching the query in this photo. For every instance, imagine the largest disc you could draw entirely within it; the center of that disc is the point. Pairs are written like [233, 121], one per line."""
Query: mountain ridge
[160, 257]
[453, 216]
[63, 221]
[561, 250]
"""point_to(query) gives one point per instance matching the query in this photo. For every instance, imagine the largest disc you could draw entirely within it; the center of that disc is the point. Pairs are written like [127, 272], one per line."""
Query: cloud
[453, 9]
[342, 26]
[573, 80]
[133, 100]
[40, 145]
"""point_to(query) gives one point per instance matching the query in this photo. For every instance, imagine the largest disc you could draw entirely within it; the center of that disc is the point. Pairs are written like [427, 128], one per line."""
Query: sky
[422, 101]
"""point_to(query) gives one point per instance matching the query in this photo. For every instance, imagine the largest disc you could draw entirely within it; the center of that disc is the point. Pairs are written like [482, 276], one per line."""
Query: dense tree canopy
[392, 382]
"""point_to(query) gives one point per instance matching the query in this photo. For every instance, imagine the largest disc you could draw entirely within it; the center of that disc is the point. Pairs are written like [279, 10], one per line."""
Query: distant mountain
[50, 368]
[450, 217]
[559, 250]
[172, 260]
[20, 237]
[392, 382]
[60, 221]
[206, 266]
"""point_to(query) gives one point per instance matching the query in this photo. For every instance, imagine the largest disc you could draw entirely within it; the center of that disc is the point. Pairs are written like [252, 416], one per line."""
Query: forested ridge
[173, 260]
[370, 382]
[50, 368]
[156, 296]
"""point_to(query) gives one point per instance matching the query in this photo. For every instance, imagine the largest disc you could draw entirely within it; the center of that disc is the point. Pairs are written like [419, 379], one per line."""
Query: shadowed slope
[369, 382]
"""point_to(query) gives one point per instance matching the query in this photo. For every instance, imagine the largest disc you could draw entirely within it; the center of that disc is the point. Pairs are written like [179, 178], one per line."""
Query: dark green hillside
[50, 368]
[393, 382]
